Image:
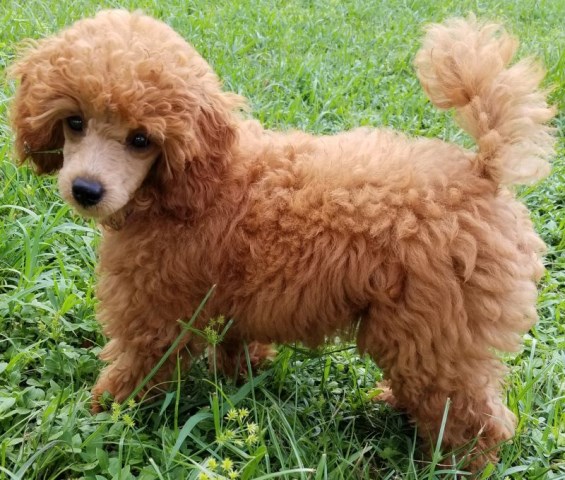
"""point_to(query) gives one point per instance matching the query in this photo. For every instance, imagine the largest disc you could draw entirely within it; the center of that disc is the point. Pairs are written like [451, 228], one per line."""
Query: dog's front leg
[130, 364]
[141, 327]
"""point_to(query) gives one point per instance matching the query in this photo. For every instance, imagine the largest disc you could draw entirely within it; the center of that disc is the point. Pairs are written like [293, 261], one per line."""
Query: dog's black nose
[87, 192]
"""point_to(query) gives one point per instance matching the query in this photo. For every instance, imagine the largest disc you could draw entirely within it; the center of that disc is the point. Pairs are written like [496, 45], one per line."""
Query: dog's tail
[463, 64]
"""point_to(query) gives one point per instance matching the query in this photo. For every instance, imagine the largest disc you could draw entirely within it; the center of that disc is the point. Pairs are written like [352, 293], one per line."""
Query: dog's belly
[300, 314]
[307, 290]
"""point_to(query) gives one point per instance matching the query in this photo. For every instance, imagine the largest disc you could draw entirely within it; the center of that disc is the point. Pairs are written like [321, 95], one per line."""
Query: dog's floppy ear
[35, 116]
[202, 129]
[216, 126]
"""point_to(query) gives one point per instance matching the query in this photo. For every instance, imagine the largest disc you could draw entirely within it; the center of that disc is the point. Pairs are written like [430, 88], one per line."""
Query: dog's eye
[75, 123]
[139, 140]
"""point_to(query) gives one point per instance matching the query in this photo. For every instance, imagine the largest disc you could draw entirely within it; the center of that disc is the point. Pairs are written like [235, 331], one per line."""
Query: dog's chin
[100, 212]
[94, 213]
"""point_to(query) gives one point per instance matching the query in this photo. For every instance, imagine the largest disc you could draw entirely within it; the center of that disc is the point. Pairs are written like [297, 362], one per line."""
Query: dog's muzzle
[87, 192]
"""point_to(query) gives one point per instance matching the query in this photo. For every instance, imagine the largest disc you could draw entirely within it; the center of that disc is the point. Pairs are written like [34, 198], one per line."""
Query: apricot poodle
[415, 247]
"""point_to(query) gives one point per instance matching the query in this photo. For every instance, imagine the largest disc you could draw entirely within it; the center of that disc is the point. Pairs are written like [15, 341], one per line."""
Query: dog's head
[126, 111]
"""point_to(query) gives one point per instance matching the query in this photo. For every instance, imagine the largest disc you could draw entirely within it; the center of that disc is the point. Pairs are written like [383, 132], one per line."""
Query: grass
[317, 65]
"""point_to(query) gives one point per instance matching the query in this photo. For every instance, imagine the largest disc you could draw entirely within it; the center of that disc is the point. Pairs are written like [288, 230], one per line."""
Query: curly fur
[414, 246]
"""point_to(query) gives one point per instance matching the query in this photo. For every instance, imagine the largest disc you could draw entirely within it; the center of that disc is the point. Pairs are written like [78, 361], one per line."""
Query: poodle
[414, 247]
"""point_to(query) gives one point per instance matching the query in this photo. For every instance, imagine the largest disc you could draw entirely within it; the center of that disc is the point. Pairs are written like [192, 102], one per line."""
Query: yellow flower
[233, 474]
[252, 428]
[211, 336]
[212, 464]
[116, 411]
[131, 403]
[227, 464]
[243, 413]
[203, 476]
[232, 414]
[128, 420]
[225, 437]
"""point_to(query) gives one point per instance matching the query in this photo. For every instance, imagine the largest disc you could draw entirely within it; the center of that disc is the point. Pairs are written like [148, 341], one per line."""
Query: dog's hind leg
[426, 346]
[230, 357]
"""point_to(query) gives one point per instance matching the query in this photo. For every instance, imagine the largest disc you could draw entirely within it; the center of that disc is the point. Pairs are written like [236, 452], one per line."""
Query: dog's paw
[385, 394]
[259, 354]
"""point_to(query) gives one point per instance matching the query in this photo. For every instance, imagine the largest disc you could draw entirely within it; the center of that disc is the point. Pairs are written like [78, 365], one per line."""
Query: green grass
[318, 65]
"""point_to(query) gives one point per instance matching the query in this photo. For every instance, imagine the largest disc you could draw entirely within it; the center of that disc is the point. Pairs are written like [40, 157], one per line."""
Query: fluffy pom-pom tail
[463, 64]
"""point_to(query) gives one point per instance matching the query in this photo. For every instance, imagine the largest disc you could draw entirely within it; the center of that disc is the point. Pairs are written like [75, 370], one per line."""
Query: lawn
[322, 66]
